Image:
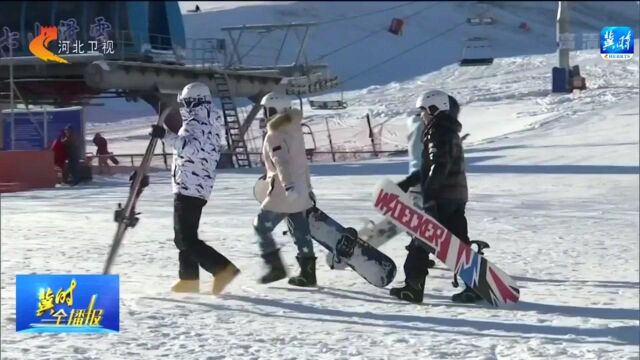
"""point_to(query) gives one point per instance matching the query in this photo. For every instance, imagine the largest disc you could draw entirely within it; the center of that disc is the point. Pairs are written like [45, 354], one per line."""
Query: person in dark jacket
[443, 182]
[72, 148]
[103, 154]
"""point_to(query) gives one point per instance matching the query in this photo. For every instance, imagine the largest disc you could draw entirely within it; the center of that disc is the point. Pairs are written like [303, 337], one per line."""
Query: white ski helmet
[275, 102]
[433, 102]
[194, 98]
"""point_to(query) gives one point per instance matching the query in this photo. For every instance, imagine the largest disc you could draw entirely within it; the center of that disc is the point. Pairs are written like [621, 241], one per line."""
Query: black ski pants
[449, 213]
[193, 251]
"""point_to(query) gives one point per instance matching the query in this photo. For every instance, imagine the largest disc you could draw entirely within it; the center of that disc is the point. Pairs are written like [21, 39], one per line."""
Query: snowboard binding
[347, 243]
[130, 220]
[481, 245]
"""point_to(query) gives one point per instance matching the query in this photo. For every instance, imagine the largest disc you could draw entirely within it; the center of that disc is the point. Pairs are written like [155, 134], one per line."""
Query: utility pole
[372, 136]
[562, 35]
[333, 155]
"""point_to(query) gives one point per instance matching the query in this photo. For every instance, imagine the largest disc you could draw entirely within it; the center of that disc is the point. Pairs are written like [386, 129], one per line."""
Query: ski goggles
[431, 111]
[190, 103]
[269, 112]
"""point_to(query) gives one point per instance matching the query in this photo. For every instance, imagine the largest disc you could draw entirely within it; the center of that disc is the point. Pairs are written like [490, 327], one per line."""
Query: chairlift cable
[418, 45]
[401, 53]
[371, 34]
[331, 21]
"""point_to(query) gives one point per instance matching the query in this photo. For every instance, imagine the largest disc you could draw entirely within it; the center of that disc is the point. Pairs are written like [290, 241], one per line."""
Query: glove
[411, 180]
[403, 185]
[143, 184]
[416, 196]
[158, 131]
[313, 197]
[291, 192]
[145, 180]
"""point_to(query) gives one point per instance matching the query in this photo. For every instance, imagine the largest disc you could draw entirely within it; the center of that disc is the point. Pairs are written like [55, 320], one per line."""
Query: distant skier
[195, 156]
[443, 183]
[289, 194]
[102, 151]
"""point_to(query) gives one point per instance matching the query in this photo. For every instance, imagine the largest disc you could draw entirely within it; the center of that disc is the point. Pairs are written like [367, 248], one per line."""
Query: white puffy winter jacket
[285, 160]
[196, 151]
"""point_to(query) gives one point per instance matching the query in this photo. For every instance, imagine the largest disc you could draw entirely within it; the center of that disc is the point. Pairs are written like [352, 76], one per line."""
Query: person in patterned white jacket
[196, 153]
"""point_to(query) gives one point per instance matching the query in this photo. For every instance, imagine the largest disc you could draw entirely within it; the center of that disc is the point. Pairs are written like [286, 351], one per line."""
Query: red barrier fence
[24, 170]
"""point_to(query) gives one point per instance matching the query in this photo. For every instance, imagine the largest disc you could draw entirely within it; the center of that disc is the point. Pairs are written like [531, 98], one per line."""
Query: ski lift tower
[478, 50]
[270, 47]
[241, 54]
[259, 49]
[565, 78]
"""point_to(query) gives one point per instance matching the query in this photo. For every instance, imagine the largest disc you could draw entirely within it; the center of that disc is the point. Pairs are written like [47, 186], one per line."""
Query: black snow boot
[467, 296]
[416, 269]
[412, 291]
[307, 277]
[276, 268]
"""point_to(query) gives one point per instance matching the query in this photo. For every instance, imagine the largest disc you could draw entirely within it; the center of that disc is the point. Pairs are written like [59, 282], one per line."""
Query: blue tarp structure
[37, 129]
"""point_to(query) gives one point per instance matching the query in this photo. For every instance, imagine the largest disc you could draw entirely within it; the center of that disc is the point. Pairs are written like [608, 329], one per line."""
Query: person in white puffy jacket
[196, 151]
[289, 195]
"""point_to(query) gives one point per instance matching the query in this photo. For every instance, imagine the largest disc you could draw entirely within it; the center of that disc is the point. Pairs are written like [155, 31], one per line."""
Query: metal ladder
[235, 139]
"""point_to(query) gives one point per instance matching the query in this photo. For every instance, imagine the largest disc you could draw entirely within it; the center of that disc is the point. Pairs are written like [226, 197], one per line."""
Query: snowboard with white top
[485, 278]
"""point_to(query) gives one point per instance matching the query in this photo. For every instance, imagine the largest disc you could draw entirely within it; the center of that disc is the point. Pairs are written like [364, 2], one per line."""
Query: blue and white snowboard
[343, 243]
[378, 233]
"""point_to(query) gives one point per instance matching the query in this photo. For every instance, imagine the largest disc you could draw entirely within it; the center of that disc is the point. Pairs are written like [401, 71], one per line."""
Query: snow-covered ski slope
[553, 188]
[352, 36]
[359, 30]
[497, 102]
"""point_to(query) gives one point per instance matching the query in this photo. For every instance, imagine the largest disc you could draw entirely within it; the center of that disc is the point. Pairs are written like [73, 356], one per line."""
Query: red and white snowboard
[491, 283]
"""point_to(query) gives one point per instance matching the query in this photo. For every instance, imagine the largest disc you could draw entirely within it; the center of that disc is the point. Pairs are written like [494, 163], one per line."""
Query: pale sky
[221, 5]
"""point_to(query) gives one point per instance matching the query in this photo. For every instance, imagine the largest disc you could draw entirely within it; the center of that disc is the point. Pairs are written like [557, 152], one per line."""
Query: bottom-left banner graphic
[67, 303]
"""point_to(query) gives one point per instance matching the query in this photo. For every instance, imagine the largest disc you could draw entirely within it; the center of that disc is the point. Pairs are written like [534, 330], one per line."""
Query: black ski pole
[126, 216]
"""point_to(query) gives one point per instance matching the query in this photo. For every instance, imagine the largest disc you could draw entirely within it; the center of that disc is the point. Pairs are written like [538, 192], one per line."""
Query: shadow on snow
[399, 167]
[622, 335]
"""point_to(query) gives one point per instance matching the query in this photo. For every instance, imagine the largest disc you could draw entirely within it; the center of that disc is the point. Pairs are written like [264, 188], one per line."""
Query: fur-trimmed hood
[280, 121]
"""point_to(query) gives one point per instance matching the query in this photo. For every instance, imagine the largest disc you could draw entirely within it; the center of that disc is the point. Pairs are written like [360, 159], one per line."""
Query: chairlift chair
[309, 151]
[488, 20]
[477, 52]
[397, 26]
[474, 21]
[327, 105]
[477, 15]
[480, 20]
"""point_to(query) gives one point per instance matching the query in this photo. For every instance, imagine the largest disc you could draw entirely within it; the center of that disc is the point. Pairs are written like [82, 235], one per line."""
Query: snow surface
[554, 189]
[186, 6]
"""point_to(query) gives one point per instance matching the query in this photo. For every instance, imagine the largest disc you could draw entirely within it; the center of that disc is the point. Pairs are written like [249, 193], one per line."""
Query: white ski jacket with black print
[196, 151]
